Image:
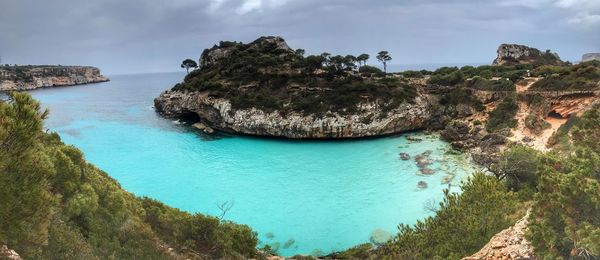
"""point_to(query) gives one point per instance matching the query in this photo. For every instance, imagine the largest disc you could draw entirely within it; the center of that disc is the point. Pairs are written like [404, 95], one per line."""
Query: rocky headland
[287, 95]
[40, 76]
[512, 54]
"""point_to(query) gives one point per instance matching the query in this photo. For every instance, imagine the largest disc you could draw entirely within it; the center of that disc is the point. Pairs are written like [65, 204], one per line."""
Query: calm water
[322, 195]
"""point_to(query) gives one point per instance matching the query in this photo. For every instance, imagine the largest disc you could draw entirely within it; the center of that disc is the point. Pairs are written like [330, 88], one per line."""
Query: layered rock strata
[32, 77]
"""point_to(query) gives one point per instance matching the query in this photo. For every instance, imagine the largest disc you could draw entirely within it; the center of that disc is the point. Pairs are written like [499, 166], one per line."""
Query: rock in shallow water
[427, 171]
[204, 128]
[380, 237]
[422, 185]
[404, 156]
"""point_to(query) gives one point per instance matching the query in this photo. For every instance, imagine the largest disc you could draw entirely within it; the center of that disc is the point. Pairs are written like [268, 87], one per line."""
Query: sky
[146, 36]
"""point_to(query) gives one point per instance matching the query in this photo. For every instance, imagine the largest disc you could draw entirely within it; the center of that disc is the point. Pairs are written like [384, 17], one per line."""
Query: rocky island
[40, 76]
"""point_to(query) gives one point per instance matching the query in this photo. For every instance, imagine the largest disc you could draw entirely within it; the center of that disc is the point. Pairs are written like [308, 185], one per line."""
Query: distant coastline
[29, 77]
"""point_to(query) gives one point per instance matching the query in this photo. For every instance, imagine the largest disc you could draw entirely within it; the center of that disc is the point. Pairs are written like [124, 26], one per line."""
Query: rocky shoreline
[368, 121]
[21, 78]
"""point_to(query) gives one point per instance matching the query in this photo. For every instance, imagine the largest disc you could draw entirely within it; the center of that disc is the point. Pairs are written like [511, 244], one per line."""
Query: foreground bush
[462, 224]
[55, 205]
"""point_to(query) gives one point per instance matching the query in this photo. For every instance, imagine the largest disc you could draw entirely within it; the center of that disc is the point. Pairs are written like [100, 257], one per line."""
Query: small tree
[384, 57]
[300, 52]
[362, 59]
[187, 64]
[350, 62]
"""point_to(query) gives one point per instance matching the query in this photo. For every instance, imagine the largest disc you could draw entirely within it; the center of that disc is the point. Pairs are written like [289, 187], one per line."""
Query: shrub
[503, 116]
[462, 224]
[370, 71]
[490, 85]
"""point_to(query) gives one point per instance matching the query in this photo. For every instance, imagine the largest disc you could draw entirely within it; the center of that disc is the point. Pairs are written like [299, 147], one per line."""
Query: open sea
[301, 197]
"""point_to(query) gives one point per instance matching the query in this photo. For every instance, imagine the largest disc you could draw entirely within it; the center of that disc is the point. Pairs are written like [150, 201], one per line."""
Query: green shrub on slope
[54, 205]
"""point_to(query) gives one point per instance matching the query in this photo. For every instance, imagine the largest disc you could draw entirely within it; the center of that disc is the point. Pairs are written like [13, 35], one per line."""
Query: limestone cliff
[266, 88]
[33, 77]
[369, 120]
[513, 54]
[590, 57]
[509, 244]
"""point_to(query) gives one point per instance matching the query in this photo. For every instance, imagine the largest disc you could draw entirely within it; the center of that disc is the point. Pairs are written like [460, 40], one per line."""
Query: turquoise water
[322, 195]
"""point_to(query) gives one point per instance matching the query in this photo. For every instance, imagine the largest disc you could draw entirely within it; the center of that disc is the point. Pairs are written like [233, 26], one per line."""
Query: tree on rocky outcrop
[384, 57]
[187, 64]
[300, 52]
[326, 56]
[350, 62]
[362, 59]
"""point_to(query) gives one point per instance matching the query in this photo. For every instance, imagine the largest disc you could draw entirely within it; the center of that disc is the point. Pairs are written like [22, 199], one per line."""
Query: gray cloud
[154, 35]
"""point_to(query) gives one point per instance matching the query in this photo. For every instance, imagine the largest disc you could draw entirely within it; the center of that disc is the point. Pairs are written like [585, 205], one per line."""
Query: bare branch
[224, 207]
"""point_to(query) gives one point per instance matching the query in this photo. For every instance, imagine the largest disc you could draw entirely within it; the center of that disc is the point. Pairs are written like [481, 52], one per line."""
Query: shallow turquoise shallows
[302, 197]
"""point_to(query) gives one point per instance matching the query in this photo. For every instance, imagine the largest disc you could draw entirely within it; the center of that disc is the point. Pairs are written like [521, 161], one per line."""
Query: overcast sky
[137, 36]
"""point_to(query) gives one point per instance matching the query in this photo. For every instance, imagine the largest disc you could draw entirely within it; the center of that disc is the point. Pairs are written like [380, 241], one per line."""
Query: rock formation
[590, 57]
[217, 113]
[512, 54]
[9, 254]
[33, 77]
[509, 244]
[265, 88]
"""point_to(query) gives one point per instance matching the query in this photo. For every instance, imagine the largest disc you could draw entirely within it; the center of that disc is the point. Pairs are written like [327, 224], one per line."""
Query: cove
[302, 197]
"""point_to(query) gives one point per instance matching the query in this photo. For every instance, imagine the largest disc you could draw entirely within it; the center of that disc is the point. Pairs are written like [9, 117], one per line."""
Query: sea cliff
[40, 76]
[368, 120]
[265, 88]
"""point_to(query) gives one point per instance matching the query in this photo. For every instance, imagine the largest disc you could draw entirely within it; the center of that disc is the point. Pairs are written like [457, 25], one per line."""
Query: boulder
[422, 185]
[204, 128]
[427, 171]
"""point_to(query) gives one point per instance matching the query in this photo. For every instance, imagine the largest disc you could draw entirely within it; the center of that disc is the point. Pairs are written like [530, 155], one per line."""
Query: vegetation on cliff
[55, 205]
[583, 76]
[267, 74]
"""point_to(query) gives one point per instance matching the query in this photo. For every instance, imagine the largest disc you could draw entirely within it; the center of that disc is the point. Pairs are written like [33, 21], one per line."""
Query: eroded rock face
[217, 53]
[590, 57]
[508, 244]
[33, 77]
[7, 253]
[512, 54]
[217, 113]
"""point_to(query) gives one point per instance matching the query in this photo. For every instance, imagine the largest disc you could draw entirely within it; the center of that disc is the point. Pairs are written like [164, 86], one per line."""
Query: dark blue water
[322, 195]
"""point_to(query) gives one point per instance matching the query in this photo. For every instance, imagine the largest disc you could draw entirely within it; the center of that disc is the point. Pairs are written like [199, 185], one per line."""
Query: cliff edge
[40, 76]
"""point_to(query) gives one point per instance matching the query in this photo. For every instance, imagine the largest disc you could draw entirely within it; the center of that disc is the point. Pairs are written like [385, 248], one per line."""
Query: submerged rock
[275, 246]
[427, 171]
[380, 237]
[404, 156]
[422, 185]
[317, 253]
[289, 243]
[448, 178]
[204, 128]
[269, 235]
[413, 139]
[422, 160]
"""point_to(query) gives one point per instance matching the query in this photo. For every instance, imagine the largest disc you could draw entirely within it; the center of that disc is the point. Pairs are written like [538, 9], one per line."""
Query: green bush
[54, 205]
[503, 116]
[446, 76]
[490, 85]
[461, 226]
